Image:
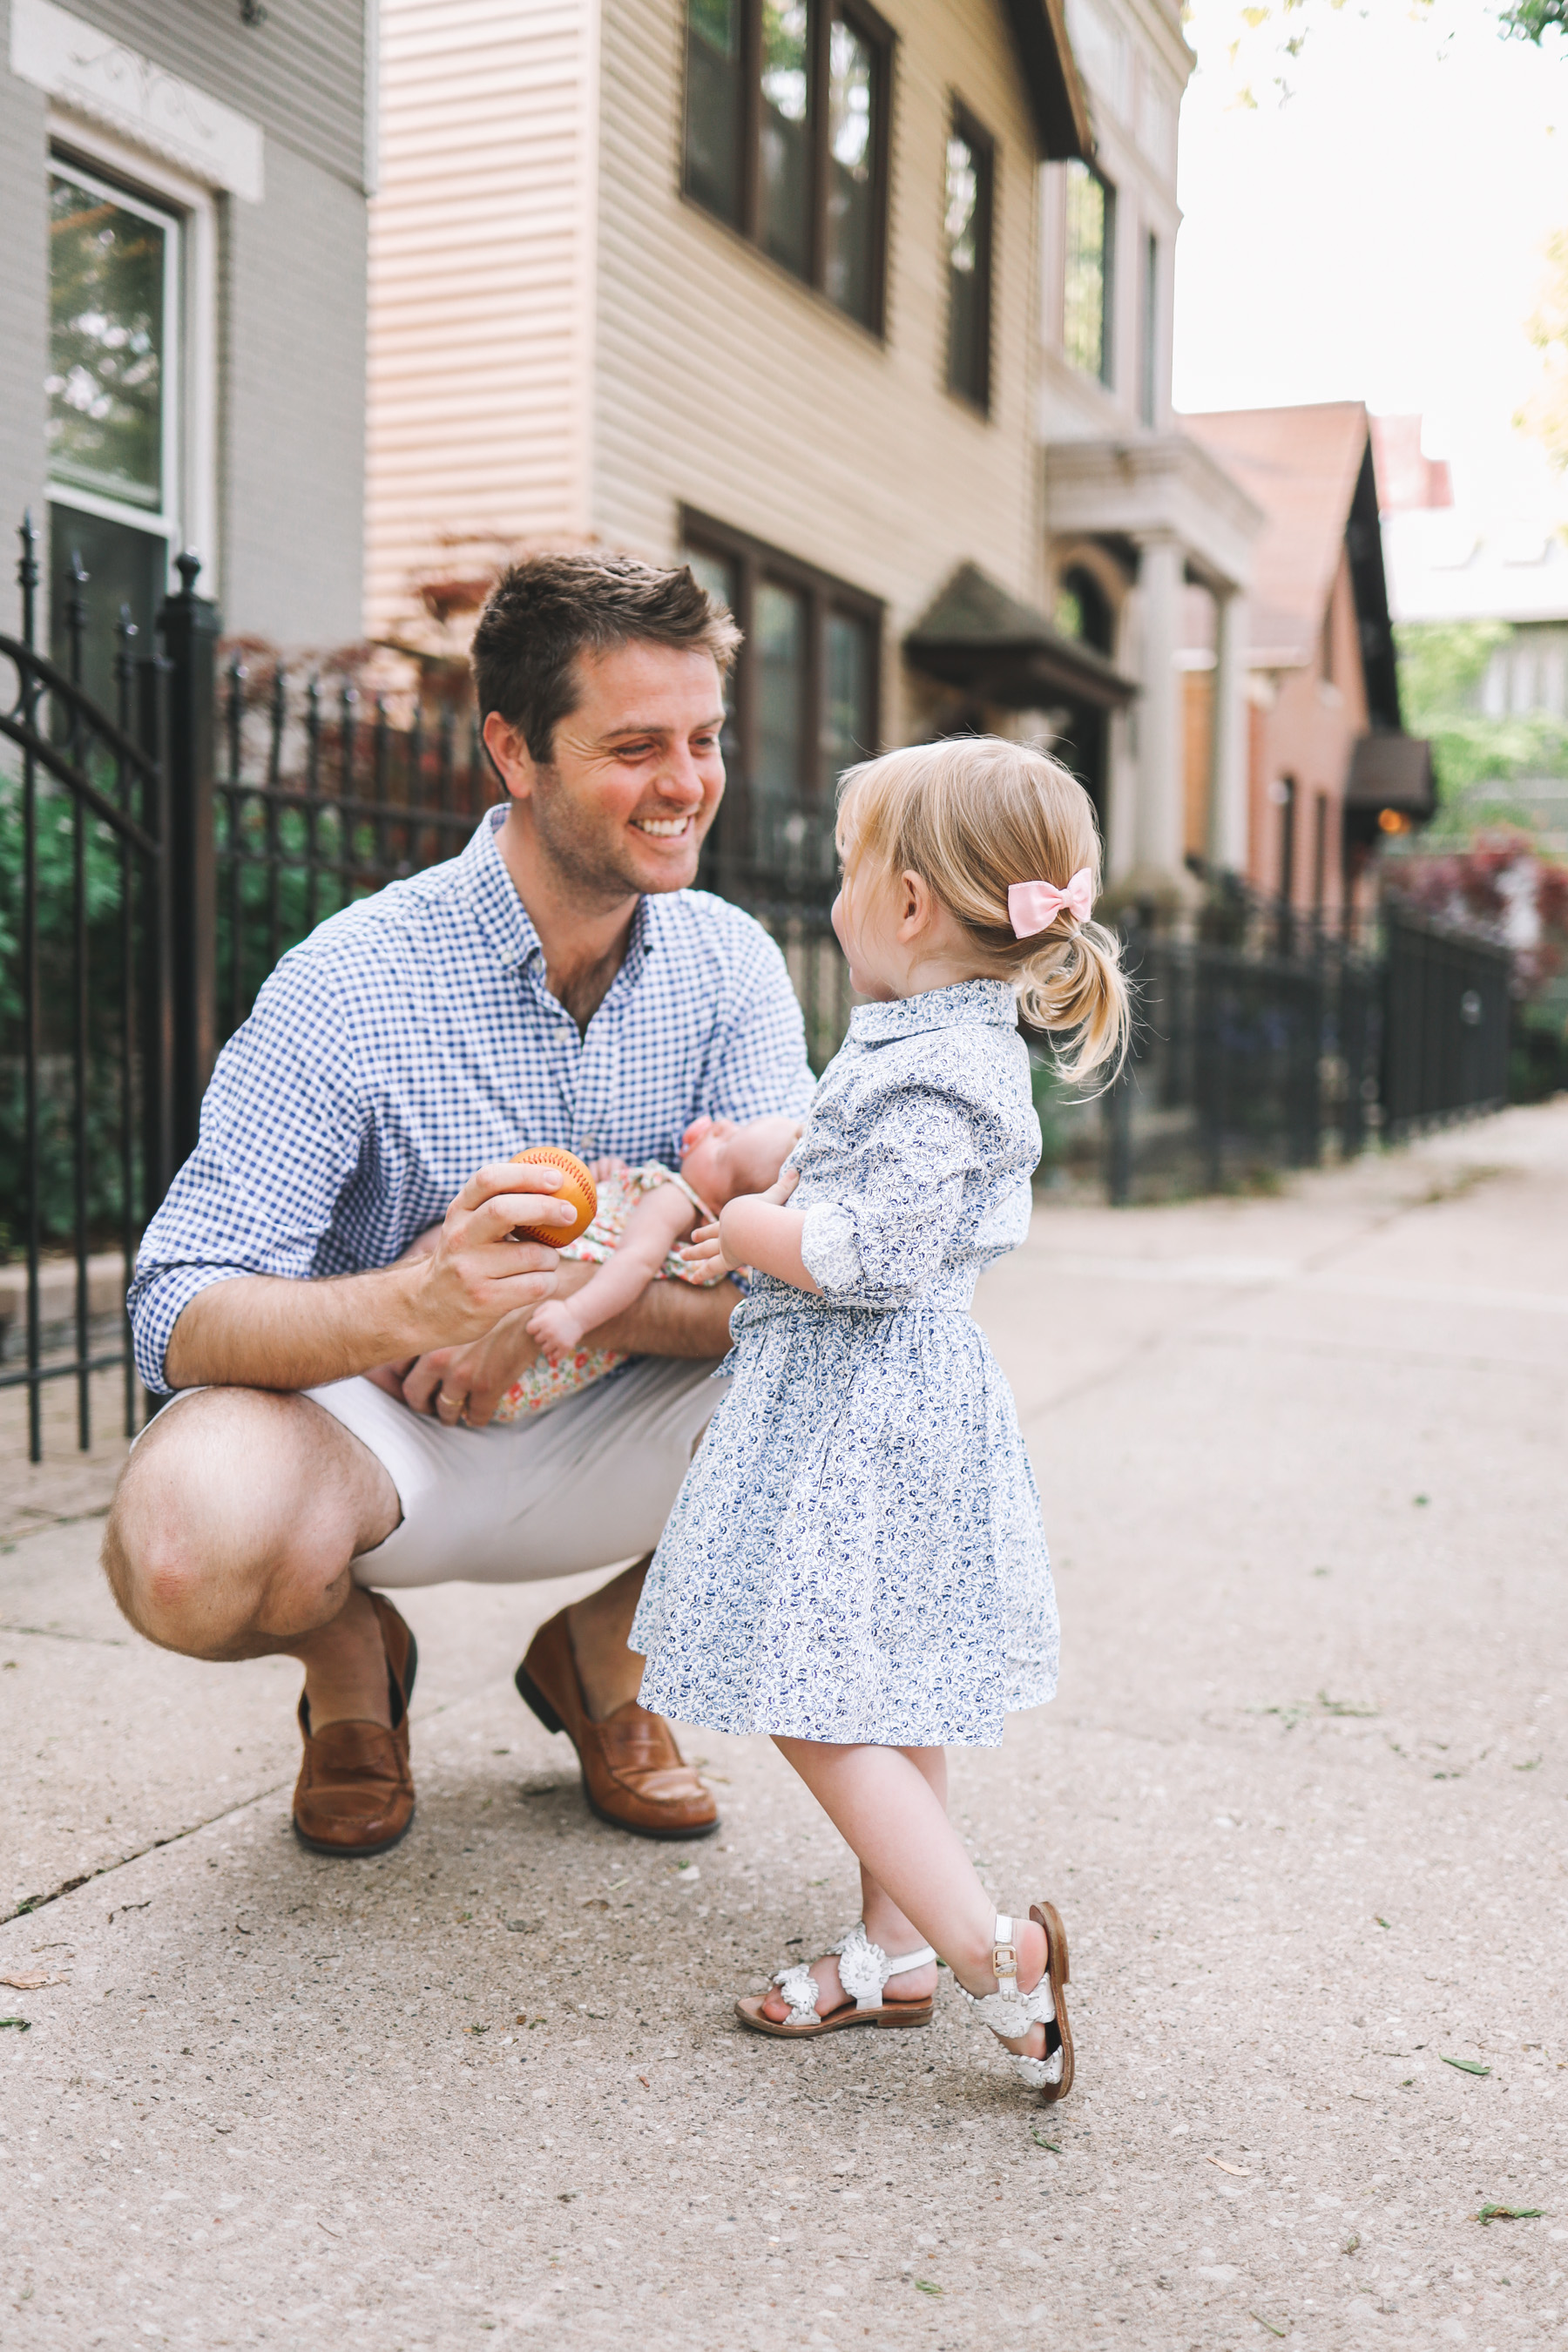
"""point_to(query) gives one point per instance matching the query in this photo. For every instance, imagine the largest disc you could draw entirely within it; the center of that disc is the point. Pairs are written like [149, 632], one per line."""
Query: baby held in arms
[644, 1215]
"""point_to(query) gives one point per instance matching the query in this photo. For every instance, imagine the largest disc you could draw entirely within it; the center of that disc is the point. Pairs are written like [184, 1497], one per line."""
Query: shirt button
[589, 1143]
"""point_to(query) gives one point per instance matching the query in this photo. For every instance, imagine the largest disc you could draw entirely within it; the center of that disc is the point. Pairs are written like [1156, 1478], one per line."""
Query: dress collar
[991, 1001]
[488, 890]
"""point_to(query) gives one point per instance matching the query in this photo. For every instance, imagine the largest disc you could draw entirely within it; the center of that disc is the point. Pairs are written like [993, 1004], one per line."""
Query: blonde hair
[970, 816]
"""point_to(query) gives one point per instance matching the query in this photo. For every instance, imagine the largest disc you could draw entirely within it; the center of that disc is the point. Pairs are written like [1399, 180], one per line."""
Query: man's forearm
[263, 1331]
[673, 1318]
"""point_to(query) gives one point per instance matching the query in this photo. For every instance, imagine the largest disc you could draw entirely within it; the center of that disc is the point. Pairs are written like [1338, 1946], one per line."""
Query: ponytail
[1075, 983]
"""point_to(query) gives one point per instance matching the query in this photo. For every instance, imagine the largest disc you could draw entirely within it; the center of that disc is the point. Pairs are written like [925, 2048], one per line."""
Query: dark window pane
[124, 566]
[107, 380]
[786, 225]
[967, 223]
[850, 653]
[778, 643]
[1086, 312]
[1149, 402]
[852, 98]
[720, 576]
[713, 106]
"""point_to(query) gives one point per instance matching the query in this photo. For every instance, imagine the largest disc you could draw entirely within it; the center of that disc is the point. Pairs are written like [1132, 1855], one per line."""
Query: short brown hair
[546, 611]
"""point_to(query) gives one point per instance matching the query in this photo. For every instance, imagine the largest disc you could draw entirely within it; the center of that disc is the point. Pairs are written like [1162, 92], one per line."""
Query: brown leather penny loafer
[632, 1775]
[355, 1791]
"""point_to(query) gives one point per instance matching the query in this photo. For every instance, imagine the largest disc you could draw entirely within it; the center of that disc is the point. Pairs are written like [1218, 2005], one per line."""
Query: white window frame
[128, 175]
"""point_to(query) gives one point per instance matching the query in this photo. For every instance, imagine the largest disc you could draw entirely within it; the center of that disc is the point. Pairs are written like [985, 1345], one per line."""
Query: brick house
[1329, 767]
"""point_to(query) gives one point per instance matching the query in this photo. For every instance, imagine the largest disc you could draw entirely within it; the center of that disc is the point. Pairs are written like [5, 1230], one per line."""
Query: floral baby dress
[857, 1551]
[545, 1384]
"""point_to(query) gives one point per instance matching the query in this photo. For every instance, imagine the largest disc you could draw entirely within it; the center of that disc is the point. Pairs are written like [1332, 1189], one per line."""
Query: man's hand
[265, 1331]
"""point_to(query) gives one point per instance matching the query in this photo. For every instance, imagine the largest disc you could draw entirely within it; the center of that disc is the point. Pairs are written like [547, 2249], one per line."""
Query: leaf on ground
[1351, 2242]
[927, 2286]
[22, 2024]
[1220, 2165]
[1055, 2146]
[1489, 2214]
[1379, 1917]
[1345, 1706]
[1273, 2330]
[1464, 2065]
[32, 1980]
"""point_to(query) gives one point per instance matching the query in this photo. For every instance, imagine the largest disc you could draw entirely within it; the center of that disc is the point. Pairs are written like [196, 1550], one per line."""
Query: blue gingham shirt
[412, 1038]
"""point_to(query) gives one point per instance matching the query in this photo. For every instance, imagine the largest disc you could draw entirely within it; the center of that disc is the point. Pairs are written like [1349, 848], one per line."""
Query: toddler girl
[854, 1563]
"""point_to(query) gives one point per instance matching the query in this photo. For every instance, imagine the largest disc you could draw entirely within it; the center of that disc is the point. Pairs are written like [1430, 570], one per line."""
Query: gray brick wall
[292, 357]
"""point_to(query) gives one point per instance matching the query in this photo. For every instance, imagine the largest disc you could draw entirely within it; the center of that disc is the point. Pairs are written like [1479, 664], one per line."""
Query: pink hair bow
[1034, 905]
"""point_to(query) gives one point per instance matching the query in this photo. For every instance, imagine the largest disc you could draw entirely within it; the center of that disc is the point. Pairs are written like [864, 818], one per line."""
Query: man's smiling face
[636, 773]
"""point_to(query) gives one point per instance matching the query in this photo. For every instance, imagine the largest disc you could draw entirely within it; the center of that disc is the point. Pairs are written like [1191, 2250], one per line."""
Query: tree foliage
[1261, 39]
[1481, 762]
[1545, 412]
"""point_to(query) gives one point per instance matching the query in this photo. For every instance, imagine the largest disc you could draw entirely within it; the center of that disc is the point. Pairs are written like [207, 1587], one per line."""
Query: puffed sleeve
[884, 1233]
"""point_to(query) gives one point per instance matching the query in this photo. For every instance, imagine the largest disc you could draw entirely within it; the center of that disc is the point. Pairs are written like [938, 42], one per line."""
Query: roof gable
[1301, 466]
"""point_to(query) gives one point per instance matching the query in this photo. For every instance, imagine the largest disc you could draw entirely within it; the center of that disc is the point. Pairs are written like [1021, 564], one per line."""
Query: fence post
[189, 627]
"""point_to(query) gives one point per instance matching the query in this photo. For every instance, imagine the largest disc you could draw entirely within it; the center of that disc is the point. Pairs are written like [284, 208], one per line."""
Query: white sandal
[1009, 2012]
[864, 1969]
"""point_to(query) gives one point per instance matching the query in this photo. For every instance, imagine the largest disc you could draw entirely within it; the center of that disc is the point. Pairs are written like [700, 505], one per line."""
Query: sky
[1377, 235]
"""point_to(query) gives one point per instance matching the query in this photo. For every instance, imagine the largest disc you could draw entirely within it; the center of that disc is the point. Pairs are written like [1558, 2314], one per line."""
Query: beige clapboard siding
[481, 261]
[722, 383]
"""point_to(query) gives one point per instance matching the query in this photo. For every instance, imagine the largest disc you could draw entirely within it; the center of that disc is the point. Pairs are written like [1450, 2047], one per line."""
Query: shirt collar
[991, 1001]
[488, 890]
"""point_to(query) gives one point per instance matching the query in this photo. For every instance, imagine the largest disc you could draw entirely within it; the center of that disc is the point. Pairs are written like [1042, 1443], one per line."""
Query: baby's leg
[890, 1805]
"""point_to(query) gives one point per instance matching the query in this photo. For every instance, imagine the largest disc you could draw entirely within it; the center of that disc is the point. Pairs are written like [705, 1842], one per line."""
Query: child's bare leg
[889, 1804]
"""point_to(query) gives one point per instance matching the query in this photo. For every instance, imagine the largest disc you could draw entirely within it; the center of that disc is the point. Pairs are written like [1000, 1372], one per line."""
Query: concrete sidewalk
[1301, 1801]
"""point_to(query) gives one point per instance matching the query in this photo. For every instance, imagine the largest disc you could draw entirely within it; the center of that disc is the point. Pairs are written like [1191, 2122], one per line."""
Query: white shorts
[583, 1487]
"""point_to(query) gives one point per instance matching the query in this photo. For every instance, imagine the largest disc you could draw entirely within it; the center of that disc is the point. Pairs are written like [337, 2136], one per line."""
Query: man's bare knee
[235, 1519]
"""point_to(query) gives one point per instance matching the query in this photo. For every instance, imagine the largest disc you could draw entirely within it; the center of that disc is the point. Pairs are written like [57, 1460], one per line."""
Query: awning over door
[978, 636]
[1391, 769]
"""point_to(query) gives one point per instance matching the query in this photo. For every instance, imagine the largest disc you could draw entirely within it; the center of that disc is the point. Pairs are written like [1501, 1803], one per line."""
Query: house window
[714, 106]
[802, 698]
[112, 389]
[786, 136]
[967, 230]
[1149, 388]
[1088, 289]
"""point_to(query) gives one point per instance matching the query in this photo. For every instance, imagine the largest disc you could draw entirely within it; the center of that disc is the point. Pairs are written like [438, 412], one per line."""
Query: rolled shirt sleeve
[282, 1129]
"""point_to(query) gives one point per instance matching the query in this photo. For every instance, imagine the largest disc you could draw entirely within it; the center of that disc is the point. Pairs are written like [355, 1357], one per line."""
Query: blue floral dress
[857, 1551]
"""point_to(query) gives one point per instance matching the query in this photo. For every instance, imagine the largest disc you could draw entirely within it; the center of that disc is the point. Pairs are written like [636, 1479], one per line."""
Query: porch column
[1227, 843]
[1160, 811]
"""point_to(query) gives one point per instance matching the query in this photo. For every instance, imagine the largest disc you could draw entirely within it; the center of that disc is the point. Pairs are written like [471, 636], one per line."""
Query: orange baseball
[576, 1186]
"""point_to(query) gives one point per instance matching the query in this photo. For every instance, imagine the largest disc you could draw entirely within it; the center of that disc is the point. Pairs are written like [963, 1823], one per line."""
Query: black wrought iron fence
[327, 790]
[1449, 1007]
[1244, 1059]
[85, 995]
